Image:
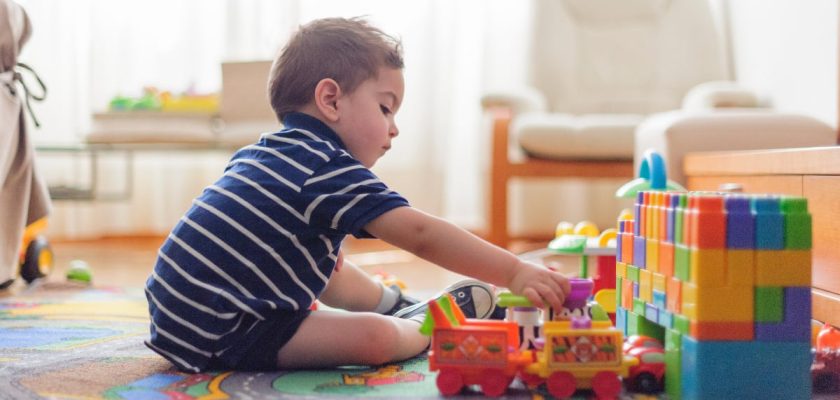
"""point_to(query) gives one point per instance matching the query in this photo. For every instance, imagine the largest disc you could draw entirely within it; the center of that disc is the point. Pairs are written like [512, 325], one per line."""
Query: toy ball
[79, 271]
[564, 228]
[587, 228]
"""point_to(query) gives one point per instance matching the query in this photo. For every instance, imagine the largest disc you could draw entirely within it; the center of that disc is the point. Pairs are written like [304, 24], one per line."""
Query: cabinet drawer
[780, 184]
[823, 193]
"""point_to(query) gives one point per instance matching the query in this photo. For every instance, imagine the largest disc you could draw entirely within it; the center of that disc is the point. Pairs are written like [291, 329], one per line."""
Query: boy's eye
[384, 109]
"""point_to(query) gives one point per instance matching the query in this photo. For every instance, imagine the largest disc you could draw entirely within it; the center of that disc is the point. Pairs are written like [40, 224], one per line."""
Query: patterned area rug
[62, 341]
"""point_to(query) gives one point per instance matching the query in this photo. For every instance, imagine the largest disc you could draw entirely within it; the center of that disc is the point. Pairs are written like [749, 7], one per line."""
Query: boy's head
[346, 73]
[348, 51]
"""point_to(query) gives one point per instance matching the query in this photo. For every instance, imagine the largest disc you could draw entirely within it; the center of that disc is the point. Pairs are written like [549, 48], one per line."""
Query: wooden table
[813, 173]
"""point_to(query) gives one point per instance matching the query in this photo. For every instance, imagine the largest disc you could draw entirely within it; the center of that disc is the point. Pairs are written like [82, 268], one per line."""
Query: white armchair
[598, 69]
[720, 116]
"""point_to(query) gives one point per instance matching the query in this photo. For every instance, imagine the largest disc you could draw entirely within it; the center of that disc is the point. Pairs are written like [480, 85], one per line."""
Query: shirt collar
[298, 120]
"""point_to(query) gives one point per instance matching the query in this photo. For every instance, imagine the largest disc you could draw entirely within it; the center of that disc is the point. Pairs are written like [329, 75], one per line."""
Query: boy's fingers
[533, 296]
[563, 282]
[551, 297]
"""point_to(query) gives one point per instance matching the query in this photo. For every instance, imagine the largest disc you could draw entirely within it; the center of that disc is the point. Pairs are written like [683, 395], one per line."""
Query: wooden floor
[128, 261]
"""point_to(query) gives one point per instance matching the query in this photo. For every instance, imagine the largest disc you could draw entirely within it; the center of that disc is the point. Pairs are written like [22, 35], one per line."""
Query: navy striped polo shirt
[260, 242]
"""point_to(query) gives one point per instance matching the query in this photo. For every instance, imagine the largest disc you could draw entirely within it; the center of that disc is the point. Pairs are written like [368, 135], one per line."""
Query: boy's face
[366, 116]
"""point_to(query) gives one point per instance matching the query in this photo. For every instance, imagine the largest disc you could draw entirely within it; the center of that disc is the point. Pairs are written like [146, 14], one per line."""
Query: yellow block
[708, 267]
[659, 282]
[652, 255]
[620, 269]
[783, 267]
[646, 285]
[740, 267]
[728, 303]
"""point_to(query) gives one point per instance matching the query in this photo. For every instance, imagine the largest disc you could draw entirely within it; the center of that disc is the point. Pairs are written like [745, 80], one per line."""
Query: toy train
[578, 353]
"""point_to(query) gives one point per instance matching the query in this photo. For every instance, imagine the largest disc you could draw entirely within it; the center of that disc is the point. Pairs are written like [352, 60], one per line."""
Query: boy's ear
[327, 93]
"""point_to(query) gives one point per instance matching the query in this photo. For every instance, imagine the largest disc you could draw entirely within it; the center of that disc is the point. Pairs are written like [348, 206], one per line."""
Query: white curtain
[88, 51]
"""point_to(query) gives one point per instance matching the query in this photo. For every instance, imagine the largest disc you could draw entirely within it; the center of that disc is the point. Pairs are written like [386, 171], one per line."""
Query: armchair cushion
[518, 100]
[719, 94]
[584, 137]
[675, 133]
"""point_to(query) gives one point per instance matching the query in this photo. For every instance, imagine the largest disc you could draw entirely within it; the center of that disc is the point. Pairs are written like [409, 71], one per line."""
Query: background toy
[79, 271]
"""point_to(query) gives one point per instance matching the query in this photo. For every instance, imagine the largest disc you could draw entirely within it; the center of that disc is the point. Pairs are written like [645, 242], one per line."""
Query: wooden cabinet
[813, 173]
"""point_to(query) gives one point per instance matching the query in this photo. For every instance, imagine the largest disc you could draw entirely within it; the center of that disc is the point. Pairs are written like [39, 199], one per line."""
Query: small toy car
[648, 375]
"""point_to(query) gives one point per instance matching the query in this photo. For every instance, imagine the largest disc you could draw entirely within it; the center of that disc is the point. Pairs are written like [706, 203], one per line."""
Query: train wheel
[561, 384]
[530, 379]
[606, 385]
[38, 261]
[494, 382]
[449, 382]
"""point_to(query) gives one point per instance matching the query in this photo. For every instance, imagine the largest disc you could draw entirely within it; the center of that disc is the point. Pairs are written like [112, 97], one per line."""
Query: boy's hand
[540, 285]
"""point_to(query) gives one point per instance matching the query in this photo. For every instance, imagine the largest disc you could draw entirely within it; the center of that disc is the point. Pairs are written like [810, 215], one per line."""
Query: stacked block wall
[724, 280]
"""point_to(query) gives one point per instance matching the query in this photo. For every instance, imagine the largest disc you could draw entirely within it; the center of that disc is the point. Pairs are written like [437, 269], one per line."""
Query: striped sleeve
[345, 196]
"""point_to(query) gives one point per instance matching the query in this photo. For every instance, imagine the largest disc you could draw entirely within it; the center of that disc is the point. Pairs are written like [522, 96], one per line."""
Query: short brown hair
[348, 51]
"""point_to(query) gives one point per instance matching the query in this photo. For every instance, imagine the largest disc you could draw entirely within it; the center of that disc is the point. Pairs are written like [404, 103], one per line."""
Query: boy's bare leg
[334, 338]
[352, 289]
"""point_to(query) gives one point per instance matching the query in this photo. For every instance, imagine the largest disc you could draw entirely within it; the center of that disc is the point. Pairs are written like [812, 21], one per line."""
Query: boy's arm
[457, 250]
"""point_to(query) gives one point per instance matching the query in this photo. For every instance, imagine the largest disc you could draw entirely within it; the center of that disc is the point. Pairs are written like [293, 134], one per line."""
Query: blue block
[740, 232]
[659, 299]
[639, 251]
[621, 320]
[666, 319]
[652, 313]
[635, 290]
[796, 322]
[745, 370]
[769, 223]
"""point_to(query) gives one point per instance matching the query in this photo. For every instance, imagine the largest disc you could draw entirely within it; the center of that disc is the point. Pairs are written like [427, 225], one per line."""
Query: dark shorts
[262, 355]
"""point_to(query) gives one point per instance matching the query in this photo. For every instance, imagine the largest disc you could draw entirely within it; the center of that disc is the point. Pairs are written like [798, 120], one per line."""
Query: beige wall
[787, 50]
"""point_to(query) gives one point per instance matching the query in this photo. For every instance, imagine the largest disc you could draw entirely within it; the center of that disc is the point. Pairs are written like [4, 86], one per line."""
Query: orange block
[666, 258]
[727, 331]
[673, 295]
[708, 225]
[626, 294]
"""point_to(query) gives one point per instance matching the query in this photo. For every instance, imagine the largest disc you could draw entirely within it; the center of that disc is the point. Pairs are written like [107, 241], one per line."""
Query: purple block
[618, 240]
[796, 324]
[639, 251]
[637, 216]
[671, 219]
[740, 232]
[635, 290]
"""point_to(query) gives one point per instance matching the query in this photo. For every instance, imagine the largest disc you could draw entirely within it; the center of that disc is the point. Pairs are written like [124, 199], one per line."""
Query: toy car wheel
[825, 382]
[646, 383]
[449, 382]
[494, 382]
[561, 384]
[606, 385]
[38, 261]
[530, 379]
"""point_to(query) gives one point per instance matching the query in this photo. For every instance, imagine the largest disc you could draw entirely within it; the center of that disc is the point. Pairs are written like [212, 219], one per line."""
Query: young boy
[235, 279]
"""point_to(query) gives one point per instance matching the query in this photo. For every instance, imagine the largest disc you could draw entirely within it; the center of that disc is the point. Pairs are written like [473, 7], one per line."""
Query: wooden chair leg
[499, 175]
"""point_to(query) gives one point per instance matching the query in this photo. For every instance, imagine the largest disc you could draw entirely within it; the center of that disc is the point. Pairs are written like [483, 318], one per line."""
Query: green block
[639, 306]
[673, 364]
[798, 223]
[679, 216]
[682, 262]
[637, 324]
[633, 273]
[769, 304]
[681, 324]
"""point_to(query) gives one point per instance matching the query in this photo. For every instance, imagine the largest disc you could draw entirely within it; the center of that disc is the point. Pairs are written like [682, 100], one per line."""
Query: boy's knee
[383, 338]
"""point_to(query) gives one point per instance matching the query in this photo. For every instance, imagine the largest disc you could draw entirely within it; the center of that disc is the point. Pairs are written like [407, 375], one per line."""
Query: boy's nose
[394, 131]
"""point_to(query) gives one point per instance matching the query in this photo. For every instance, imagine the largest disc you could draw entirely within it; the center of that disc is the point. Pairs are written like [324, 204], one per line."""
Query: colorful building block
[744, 370]
[725, 279]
